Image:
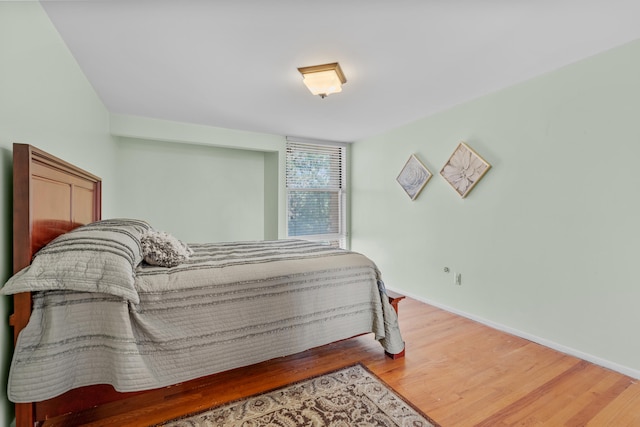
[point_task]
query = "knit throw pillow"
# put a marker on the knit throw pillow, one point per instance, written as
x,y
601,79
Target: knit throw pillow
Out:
x,y
164,250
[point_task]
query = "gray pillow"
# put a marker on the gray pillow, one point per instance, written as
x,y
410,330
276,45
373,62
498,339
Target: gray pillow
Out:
x,y
98,257
164,250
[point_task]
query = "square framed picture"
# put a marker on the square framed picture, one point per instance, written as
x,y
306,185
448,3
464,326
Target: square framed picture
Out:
x,y
464,169
413,177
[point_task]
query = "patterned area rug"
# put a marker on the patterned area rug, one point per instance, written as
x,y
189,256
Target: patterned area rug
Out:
x,y
352,396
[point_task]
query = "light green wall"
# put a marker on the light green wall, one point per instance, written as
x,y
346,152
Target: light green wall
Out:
x,y
197,193
46,101
272,183
248,177
547,242
165,130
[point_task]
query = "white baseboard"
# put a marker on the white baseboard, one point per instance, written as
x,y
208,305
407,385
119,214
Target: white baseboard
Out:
x,y
634,373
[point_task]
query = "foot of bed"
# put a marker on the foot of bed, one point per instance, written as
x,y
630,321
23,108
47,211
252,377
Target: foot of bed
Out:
x,y
395,356
394,299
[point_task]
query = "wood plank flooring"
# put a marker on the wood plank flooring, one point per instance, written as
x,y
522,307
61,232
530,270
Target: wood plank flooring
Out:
x,y
457,371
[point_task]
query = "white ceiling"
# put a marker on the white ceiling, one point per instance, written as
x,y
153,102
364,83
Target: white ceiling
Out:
x,y
233,63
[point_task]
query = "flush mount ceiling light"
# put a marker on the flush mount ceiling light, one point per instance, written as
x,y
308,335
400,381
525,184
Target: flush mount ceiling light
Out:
x,y
323,79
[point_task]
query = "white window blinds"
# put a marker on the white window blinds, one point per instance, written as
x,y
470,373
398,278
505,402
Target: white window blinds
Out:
x,y
316,192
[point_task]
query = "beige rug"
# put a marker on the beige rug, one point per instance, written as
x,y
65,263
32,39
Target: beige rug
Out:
x,y
352,396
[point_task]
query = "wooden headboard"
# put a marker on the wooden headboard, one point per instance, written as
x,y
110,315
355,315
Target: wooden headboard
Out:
x,y
50,197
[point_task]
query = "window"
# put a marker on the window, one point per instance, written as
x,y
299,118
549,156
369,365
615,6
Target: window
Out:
x,y
316,192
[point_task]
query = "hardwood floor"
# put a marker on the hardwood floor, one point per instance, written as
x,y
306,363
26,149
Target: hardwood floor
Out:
x,y
457,371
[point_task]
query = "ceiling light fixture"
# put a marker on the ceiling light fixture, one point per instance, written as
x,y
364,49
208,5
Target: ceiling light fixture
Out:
x,y
323,79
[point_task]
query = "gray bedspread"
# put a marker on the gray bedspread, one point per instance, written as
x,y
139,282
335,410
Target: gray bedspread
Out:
x,y
231,305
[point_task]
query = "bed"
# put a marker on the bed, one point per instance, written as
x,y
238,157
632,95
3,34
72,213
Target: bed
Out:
x,y
94,323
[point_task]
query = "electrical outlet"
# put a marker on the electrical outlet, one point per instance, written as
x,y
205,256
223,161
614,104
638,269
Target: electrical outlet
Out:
x,y
458,277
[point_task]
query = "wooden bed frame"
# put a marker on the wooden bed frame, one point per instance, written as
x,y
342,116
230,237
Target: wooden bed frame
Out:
x,y
52,197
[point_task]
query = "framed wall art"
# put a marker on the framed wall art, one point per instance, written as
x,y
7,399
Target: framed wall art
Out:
x,y
413,177
464,169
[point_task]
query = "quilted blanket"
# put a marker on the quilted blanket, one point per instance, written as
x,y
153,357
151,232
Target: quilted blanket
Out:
x,y
230,305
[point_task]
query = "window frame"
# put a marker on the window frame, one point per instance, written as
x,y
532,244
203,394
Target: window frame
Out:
x,y
339,239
